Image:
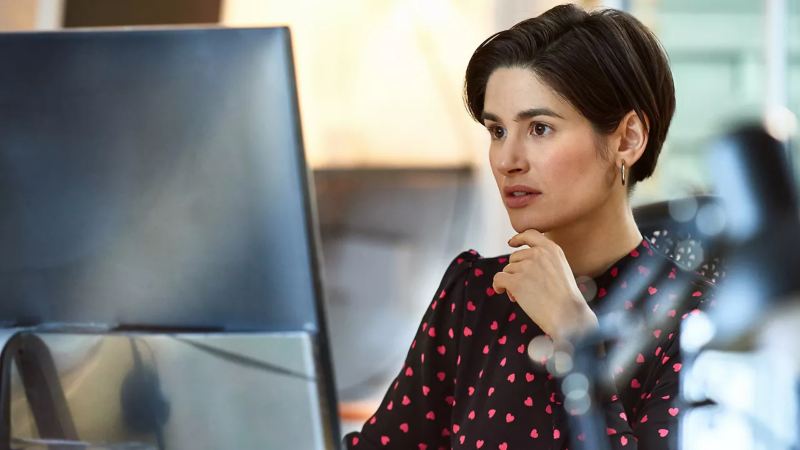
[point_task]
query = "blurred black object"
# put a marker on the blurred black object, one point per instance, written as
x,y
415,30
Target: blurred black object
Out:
x,y
759,194
753,177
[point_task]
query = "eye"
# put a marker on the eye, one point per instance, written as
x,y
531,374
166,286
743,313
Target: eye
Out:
x,y
540,129
497,132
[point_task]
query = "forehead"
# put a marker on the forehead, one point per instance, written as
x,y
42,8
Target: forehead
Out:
x,y
510,90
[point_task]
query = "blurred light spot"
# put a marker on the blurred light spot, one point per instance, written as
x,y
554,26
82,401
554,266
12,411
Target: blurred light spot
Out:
x,y
576,393
697,331
683,210
781,123
540,348
577,403
575,382
560,364
711,219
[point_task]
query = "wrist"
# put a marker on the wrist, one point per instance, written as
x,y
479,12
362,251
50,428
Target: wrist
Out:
x,y
579,320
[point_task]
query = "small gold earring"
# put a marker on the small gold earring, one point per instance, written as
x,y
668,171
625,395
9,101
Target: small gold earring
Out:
x,y
622,171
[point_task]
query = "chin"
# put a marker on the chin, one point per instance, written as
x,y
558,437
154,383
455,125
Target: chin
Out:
x,y
545,220
522,223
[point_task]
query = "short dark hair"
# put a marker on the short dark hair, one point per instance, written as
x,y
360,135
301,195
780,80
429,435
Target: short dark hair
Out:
x,y
605,63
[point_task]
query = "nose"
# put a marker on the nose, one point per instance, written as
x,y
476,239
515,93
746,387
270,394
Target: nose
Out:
x,y
511,157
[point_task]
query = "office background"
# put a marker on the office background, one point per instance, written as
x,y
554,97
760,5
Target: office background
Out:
x,y
401,173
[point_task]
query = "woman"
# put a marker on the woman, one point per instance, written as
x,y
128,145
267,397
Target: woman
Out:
x,y
577,106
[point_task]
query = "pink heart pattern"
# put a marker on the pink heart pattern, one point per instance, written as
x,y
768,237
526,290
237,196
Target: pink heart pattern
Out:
x,y
462,382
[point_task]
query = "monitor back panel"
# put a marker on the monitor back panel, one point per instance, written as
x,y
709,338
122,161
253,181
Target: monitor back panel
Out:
x,y
153,178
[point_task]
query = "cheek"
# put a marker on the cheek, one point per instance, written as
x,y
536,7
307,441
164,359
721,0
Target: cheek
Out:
x,y
577,173
573,166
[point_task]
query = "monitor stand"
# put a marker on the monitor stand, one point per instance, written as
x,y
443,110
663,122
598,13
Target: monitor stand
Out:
x,y
41,384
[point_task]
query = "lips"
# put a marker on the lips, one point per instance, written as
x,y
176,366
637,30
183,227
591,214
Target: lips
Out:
x,y
509,191
519,195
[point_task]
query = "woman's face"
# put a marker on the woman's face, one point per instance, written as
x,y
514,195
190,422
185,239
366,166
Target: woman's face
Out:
x,y
544,149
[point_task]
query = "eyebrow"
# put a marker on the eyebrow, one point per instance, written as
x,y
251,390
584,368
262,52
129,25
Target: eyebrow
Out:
x,y
527,114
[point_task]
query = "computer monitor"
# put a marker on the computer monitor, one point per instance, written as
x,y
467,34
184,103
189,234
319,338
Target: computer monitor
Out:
x,y
155,179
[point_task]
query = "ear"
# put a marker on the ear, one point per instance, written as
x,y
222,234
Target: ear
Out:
x,y
632,134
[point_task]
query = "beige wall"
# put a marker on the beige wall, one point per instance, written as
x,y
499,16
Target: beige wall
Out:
x,y
380,82
26,15
17,15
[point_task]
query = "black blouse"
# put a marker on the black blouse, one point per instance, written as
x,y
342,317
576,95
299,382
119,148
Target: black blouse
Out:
x,y
469,383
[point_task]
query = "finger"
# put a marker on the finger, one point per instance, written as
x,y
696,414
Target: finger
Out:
x,y
521,255
501,282
517,267
530,237
511,268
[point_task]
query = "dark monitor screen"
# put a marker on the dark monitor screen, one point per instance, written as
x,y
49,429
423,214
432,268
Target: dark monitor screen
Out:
x,y
154,178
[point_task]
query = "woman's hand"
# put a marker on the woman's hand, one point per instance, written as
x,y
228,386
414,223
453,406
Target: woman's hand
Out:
x,y
540,280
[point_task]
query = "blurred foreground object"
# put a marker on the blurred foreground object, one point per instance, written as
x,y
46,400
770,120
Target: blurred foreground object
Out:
x,y
741,357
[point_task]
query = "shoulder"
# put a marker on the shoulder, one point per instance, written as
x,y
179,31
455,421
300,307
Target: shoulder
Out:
x,y
472,275
469,266
467,285
471,262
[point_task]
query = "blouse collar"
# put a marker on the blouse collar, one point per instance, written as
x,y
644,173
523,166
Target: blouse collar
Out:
x,y
640,260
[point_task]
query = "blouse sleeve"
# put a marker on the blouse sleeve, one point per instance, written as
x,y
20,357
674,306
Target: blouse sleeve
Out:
x,y
654,421
653,426
415,411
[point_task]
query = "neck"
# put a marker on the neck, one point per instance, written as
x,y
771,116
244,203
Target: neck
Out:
x,y
602,237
